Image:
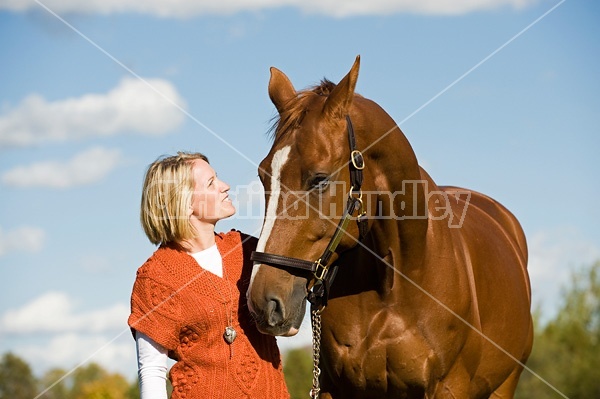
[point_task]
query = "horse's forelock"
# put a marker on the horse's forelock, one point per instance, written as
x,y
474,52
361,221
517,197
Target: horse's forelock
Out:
x,y
295,109
324,88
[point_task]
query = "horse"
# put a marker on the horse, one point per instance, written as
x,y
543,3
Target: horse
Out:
x,y
431,298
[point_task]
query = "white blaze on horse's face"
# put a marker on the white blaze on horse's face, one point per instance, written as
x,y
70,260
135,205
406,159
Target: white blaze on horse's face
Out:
x,y
277,163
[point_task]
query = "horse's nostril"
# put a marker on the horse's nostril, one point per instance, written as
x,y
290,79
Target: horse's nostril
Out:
x,y
274,312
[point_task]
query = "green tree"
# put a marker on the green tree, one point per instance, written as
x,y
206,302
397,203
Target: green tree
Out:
x,y
94,382
83,376
297,369
134,390
86,382
53,383
566,350
110,386
16,378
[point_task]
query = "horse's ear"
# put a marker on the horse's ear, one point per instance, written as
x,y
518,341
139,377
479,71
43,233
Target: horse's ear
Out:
x,y
281,90
340,99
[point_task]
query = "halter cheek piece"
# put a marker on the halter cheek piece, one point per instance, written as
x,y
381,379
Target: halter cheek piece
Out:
x,y
322,271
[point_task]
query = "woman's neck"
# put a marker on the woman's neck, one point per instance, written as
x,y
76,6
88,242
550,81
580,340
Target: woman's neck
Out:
x,y
204,239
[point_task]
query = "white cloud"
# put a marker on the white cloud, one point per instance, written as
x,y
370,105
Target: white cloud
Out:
x,y
113,353
86,167
66,336
54,312
132,106
553,256
338,8
24,238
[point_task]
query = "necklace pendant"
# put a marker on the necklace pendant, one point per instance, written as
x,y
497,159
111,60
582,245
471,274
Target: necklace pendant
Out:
x,y
229,334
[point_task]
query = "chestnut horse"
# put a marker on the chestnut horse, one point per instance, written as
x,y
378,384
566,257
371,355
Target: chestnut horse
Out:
x,y
431,301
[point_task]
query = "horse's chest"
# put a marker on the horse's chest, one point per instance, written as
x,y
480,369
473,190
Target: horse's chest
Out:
x,y
381,354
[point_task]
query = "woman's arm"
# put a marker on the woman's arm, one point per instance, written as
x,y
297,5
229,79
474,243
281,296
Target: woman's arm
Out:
x,y
152,367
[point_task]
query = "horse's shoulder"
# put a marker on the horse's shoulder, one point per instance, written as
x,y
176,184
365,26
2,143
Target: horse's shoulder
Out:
x,y
486,211
482,202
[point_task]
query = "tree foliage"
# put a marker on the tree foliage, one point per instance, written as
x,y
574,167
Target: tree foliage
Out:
x,y
297,369
86,382
16,379
110,386
566,351
53,383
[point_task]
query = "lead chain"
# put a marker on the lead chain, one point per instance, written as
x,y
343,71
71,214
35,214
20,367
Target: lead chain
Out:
x,y
316,338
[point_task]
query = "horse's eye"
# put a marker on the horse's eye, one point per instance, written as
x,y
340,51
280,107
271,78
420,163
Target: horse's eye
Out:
x,y
318,182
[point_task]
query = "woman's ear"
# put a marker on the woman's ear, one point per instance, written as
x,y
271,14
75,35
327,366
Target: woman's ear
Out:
x,y
190,207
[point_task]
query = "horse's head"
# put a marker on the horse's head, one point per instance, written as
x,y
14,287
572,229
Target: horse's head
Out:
x,y
307,180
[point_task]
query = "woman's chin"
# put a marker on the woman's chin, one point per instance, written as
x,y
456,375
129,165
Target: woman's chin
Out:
x,y
227,212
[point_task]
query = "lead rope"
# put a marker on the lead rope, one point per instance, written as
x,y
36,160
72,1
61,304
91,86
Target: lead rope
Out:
x,y
316,339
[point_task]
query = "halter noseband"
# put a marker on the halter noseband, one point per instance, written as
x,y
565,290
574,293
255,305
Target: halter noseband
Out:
x,y
321,268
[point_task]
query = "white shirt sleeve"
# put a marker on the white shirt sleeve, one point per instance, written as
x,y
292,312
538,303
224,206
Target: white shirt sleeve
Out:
x,y
152,367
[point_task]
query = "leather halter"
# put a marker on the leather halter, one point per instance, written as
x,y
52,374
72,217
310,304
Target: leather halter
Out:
x,y
321,270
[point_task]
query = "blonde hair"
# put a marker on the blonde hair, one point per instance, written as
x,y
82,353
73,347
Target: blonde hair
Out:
x,y
166,198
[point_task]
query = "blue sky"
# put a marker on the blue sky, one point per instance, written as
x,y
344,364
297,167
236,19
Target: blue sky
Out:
x,y
81,118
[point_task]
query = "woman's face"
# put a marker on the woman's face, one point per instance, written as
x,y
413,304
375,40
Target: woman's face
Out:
x,y
210,201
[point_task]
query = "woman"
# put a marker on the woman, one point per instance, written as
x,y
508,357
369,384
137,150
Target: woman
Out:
x,y
188,299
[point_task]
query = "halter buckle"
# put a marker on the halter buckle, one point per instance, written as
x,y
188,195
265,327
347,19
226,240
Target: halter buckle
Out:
x,y
358,161
320,270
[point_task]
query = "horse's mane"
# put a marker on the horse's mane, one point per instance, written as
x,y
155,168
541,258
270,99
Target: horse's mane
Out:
x,y
295,108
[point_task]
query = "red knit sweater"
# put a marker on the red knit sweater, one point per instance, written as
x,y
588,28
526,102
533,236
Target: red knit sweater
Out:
x,y
185,309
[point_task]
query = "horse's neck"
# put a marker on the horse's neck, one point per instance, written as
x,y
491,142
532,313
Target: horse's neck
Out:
x,y
410,244
400,252
401,188
400,235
